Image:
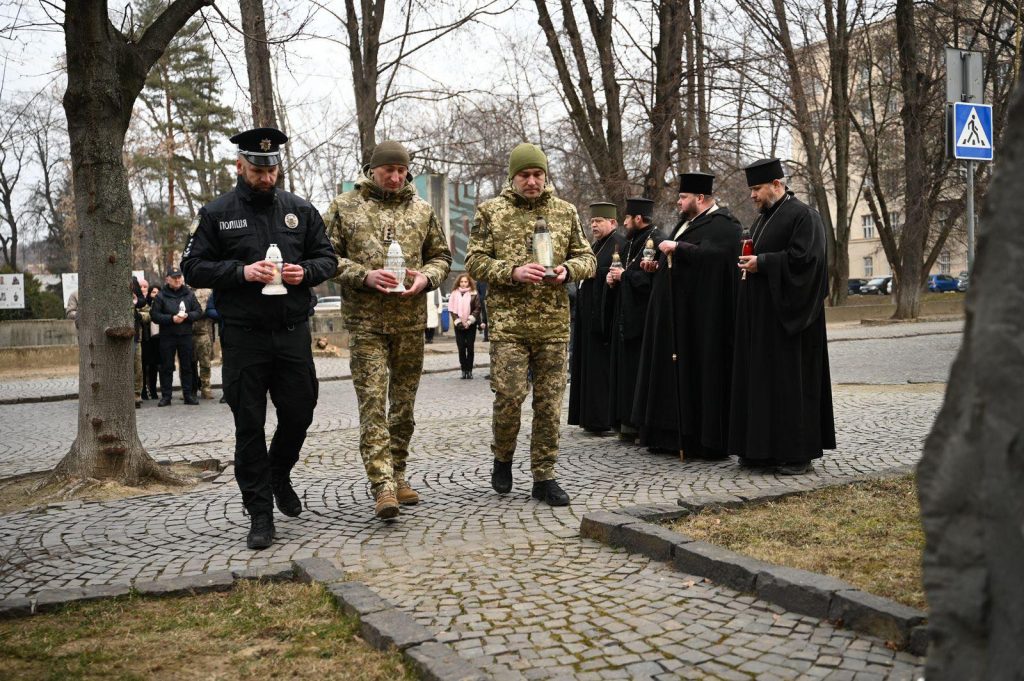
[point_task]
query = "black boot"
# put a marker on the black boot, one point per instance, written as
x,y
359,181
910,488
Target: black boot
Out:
x,y
164,402
550,493
285,497
501,477
261,532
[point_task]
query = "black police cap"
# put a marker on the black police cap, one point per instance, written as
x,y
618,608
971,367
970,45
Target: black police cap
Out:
x,y
261,146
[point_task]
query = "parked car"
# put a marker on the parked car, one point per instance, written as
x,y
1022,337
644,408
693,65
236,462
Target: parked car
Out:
x,y
963,282
941,283
879,286
853,285
327,304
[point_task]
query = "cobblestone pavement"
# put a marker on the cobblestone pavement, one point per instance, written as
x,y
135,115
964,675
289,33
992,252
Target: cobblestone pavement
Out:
x,y
507,580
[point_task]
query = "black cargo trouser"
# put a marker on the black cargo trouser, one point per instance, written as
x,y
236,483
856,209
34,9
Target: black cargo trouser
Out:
x,y
257,361
169,345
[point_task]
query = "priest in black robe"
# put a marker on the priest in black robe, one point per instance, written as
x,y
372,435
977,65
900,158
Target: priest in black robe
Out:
x,y
627,310
589,406
682,396
781,412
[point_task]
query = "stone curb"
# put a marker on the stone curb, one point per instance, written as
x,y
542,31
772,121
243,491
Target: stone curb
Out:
x,y
799,591
60,397
382,625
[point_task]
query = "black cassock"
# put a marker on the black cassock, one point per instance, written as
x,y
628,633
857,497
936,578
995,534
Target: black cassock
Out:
x,y
588,392
781,388
685,405
627,310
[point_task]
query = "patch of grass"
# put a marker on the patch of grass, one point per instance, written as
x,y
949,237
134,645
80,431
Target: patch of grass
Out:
x,y
868,534
258,630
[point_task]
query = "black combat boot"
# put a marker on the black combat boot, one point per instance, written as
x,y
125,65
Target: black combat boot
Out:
x,y
261,533
501,477
550,493
285,497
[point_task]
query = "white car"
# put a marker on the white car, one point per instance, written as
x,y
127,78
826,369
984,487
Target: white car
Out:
x,y
328,304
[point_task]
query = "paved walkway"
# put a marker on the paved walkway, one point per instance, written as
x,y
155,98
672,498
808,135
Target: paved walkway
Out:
x,y
507,580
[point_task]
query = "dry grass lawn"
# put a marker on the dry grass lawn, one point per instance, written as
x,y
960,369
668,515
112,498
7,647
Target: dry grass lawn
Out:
x,y
868,534
258,630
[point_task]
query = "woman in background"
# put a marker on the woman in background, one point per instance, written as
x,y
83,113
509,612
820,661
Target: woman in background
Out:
x,y
464,309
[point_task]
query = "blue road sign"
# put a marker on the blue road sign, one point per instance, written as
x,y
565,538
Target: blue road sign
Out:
x,y
972,131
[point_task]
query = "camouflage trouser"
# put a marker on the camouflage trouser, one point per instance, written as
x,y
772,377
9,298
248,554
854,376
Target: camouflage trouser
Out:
x,y
510,362
386,369
202,355
137,351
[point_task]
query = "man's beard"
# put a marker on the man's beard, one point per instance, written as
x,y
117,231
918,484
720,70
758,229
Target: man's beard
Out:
x,y
771,203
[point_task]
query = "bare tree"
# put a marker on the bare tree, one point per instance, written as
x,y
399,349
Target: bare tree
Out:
x,y
14,153
598,122
107,69
376,59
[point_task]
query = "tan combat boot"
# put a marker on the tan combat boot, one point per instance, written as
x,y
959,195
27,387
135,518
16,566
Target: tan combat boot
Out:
x,y
387,505
207,393
406,494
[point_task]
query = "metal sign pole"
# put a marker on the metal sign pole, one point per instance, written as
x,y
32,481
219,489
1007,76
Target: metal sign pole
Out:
x,y
970,217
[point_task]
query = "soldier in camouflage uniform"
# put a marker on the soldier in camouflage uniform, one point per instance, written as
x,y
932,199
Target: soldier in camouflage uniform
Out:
x,y
528,314
202,345
386,329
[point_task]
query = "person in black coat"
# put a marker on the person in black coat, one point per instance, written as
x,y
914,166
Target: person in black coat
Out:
x,y
266,340
589,406
629,290
682,396
174,309
781,412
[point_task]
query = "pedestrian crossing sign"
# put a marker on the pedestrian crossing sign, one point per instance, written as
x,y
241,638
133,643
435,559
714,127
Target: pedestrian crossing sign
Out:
x,y
972,131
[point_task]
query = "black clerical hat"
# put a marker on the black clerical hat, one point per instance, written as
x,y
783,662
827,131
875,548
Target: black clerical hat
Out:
x,y
764,171
261,146
640,206
696,183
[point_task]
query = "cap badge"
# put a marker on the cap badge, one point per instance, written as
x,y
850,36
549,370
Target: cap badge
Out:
x,y
264,145
291,220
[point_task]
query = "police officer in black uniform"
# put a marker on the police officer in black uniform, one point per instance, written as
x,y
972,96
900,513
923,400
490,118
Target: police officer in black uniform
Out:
x,y
266,340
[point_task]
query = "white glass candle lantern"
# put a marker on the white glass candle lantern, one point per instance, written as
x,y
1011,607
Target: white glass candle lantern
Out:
x,y
275,287
395,264
543,250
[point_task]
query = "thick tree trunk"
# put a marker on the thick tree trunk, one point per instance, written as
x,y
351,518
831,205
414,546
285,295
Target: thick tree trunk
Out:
x,y
909,277
839,61
105,75
257,61
972,472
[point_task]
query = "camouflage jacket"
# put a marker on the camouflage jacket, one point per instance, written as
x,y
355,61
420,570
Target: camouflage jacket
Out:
x,y
358,223
204,325
501,240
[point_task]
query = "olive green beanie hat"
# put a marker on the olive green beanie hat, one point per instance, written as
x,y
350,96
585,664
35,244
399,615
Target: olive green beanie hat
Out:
x,y
525,156
389,152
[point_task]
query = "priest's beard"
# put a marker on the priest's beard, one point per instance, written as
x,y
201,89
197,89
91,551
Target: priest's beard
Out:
x,y
771,203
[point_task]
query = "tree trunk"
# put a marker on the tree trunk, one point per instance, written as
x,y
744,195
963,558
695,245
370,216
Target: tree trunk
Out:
x,y
106,72
914,235
972,472
668,76
703,124
839,62
257,61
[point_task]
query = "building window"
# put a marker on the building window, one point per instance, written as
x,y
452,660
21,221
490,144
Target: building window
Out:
x,y
944,262
868,224
869,266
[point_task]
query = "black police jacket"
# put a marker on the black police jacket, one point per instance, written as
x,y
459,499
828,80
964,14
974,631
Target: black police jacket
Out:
x,y
168,303
235,230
